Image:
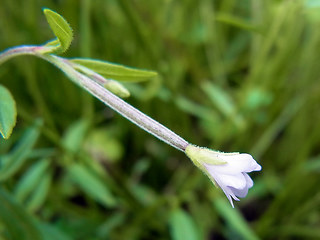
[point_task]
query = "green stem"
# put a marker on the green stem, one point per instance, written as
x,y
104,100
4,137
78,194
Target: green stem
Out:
x,y
18,51
117,104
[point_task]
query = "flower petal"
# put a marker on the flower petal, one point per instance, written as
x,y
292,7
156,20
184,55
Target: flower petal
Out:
x,y
229,194
243,192
238,163
229,171
249,180
236,181
227,191
240,192
258,168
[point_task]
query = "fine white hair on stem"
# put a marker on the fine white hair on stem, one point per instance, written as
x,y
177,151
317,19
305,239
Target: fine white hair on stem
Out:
x,y
229,171
116,103
120,106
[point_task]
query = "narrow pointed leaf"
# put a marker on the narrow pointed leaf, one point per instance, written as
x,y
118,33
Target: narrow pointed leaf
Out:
x,y
115,71
40,193
91,184
13,161
234,218
61,30
220,98
182,226
8,112
19,225
31,179
50,232
75,135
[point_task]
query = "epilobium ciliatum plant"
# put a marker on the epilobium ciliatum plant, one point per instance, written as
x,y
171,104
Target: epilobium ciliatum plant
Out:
x,y
229,171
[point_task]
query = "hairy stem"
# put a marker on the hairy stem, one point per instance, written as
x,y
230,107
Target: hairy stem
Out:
x,y
117,104
17,51
120,106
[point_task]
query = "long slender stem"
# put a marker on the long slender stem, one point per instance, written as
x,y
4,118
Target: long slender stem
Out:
x,y
16,51
120,106
117,104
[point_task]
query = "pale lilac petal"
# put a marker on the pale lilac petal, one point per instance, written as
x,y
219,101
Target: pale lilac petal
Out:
x,y
228,170
231,193
243,162
258,168
249,180
229,198
237,163
240,192
227,191
236,181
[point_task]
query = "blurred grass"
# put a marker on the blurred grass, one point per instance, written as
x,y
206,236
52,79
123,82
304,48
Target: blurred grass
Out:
x,y
234,76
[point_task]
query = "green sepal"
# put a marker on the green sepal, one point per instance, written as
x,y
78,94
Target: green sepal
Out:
x,y
200,155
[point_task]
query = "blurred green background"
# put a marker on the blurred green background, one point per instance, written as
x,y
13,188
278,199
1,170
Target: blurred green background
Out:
x,y
233,76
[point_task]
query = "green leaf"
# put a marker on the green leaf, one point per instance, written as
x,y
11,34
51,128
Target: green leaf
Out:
x,y
19,225
8,112
235,21
13,161
61,30
31,179
223,102
52,233
182,226
234,218
115,71
220,98
113,221
91,184
75,134
40,193
102,143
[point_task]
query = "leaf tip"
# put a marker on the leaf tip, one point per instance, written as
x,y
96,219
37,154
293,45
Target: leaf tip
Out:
x,y
153,74
45,10
8,112
61,29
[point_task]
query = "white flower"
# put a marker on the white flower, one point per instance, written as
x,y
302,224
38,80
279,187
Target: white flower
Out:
x,y
229,171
